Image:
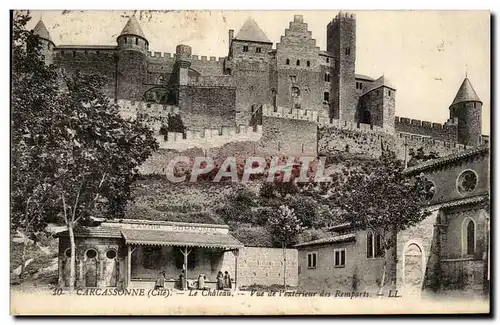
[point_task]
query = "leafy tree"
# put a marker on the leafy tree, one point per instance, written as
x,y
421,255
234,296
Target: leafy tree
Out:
x,y
384,200
74,156
97,154
285,227
34,91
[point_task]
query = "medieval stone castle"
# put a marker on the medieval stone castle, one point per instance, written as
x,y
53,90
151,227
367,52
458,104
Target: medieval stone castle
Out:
x,y
294,98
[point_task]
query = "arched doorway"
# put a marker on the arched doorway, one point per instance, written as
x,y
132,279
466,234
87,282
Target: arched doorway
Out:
x,y
110,268
413,268
90,267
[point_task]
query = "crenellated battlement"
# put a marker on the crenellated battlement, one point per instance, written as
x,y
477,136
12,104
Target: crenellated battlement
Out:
x,y
319,117
161,55
423,124
446,132
208,138
205,58
427,141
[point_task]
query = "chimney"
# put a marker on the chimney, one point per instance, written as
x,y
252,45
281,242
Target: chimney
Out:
x,y
231,36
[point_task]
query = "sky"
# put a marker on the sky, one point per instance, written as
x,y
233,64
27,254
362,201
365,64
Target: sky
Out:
x,y
425,54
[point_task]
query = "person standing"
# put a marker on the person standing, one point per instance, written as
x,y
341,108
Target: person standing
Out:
x,y
201,282
160,280
181,280
227,280
220,281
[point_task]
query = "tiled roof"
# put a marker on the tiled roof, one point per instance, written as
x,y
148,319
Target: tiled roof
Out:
x,y
340,226
461,202
96,232
132,27
250,31
326,53
171,238
447,159
382,81
362,76
329,240
466,93
42,31
141,211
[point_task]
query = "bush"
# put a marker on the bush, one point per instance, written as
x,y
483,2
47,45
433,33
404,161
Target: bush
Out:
x,y
253,236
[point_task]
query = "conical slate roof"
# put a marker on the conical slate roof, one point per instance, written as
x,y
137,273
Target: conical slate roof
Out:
x,y
42,31
250,31
466,93
132,27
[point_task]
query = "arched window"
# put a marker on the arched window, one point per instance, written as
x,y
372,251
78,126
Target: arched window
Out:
x,y
125,40
469,236
136,41
327,77
326,96
111,254
67,253
308,63
298,62
91,253
295,92
287,61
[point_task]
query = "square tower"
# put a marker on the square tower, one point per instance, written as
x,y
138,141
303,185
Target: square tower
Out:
x,y
341,41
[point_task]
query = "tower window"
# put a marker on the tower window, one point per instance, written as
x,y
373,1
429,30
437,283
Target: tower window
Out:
x,y
136,41
125,40
245,48
293,79
287,61
474,105
298,62
360,85
327,77
347,51
295,92
258,50
74,53
309,64
389,92
357,85
327,60
326,96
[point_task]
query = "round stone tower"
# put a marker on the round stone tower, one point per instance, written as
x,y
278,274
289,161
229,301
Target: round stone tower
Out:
x,y
47,44
131,61
183,61
467,108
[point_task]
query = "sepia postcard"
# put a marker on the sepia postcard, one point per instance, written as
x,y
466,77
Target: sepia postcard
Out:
x,y
250,162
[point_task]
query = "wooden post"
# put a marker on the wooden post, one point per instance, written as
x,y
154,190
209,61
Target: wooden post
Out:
x,y
129,267
185,252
